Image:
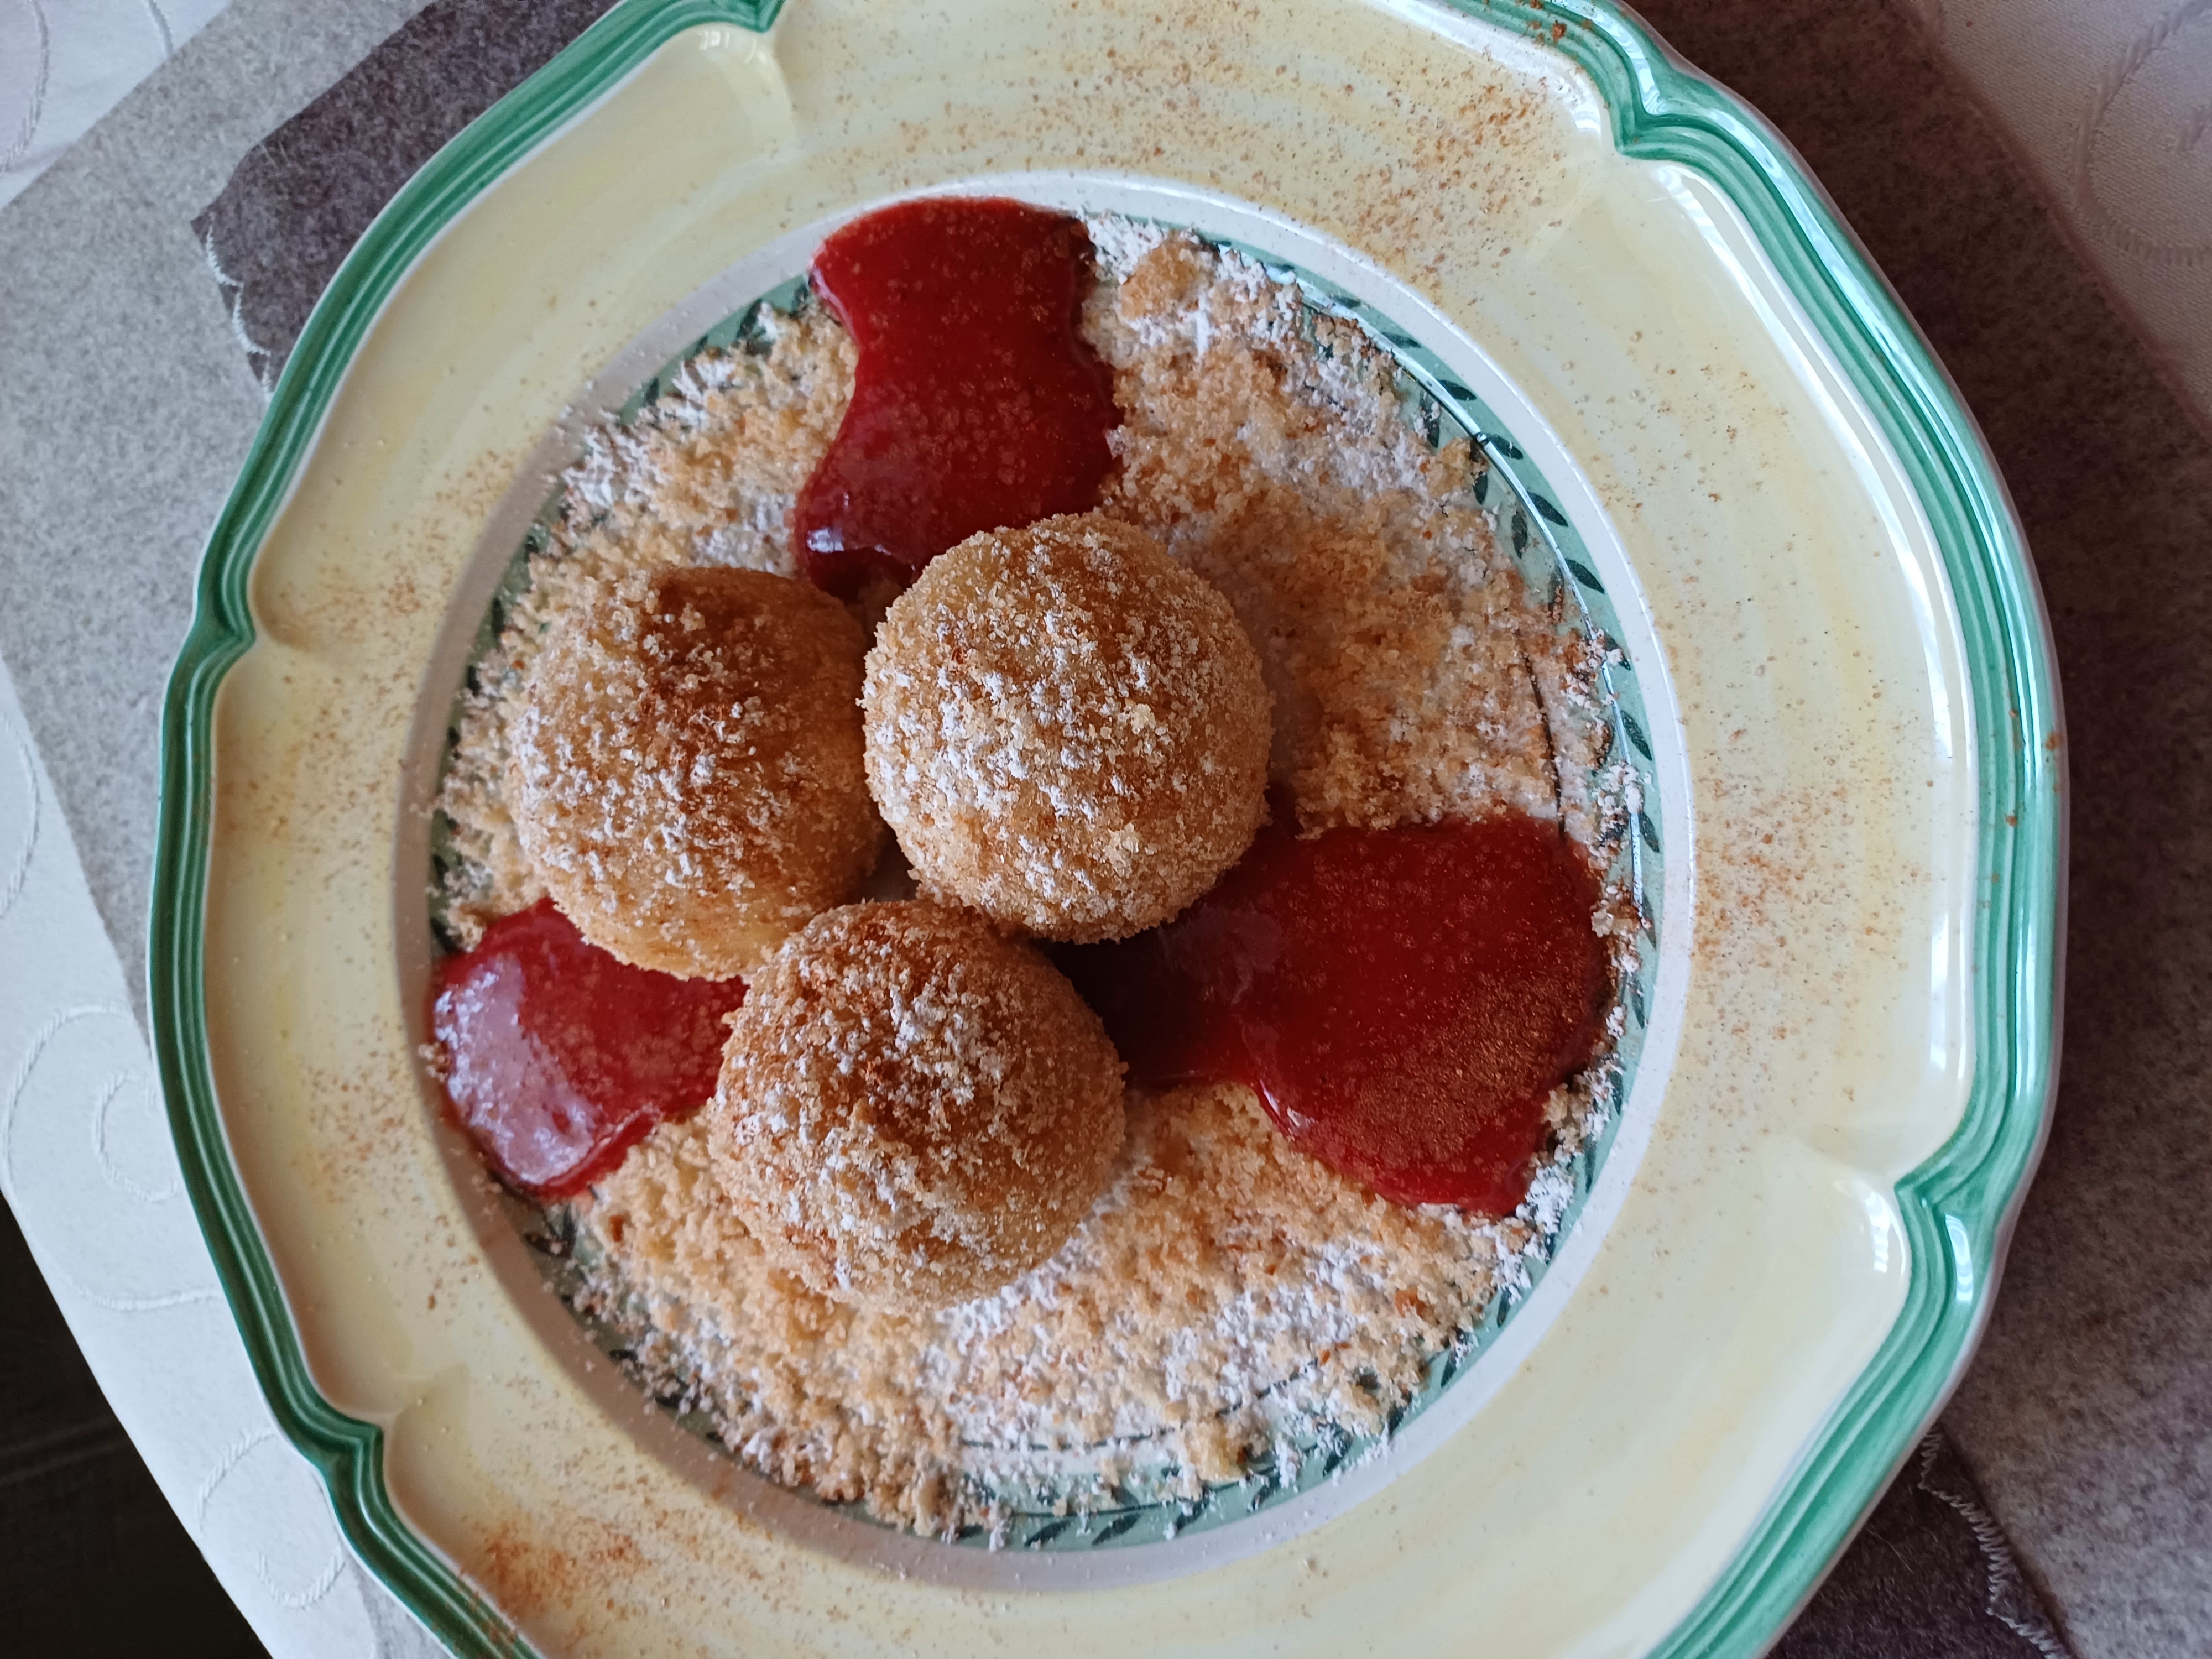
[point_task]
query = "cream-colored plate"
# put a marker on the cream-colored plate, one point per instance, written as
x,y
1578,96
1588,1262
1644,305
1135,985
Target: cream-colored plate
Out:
x,y
1834,630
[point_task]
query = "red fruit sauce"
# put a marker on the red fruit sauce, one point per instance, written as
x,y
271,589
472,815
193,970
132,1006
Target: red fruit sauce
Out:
x,y
1403,1000
559,1058
976,402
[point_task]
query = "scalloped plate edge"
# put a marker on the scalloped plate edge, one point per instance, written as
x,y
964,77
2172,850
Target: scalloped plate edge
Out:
x,y
1958,1207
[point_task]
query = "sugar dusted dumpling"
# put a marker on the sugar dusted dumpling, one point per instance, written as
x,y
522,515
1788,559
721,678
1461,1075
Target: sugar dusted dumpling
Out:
x,y
914,1109
1067,729
686,768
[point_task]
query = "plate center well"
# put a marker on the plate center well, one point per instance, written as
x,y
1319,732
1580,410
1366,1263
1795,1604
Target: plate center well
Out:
x,y
1105,1501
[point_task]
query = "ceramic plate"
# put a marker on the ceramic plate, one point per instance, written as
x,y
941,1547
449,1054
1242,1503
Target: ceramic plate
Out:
x,y
1711,428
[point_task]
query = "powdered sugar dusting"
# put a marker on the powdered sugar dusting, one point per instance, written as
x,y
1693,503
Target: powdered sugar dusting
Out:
x,y
1229,1304
913,1107
705,475
1265,446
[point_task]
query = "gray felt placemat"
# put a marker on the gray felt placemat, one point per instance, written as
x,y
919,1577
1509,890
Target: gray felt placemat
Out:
x,y
300,199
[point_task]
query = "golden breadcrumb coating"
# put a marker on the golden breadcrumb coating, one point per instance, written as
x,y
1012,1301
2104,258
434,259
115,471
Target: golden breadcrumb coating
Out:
x,y
704,474
1067,729
914,1109
686,776
1226,1293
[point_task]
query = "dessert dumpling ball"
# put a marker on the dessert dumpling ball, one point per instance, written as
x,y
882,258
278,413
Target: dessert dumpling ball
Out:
x,y
686,767
1067,729
914,1109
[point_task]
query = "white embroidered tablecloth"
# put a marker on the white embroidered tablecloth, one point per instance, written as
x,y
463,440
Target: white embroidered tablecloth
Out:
x,y
65,63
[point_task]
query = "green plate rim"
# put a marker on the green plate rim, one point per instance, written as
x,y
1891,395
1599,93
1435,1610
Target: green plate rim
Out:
x,y
1957,1208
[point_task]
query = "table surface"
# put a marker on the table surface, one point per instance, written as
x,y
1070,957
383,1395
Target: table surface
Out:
x,y
2064,274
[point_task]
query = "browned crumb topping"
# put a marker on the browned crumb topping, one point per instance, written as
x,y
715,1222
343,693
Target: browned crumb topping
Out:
x,y
1225,1286
687,776
1067,729
914,1110
1395,635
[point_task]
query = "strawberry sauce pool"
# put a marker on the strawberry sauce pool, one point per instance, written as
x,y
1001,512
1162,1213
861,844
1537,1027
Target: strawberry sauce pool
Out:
x,y
1404,1002
559,1058
976,402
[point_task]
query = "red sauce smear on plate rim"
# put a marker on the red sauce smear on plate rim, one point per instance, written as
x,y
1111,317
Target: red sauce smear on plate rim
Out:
x,y
1404,1002
559,1058
976,402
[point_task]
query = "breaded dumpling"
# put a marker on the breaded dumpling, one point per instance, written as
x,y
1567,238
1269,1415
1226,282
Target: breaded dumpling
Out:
x,y
686,776
1067,729
914,1109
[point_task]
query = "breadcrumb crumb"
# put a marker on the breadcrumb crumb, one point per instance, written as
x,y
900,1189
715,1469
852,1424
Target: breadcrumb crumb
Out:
x,y
1226,1290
